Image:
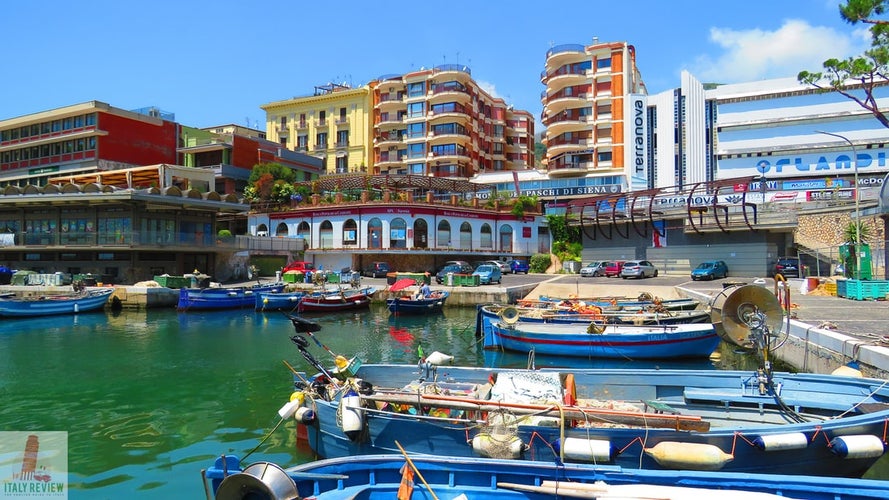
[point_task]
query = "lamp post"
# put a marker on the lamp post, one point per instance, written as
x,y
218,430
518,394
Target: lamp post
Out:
x,y
857,212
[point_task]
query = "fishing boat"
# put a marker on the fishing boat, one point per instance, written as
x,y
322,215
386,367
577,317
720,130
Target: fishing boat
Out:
x,y
88,300
749,421
644,300
409,304
416,476
335,301
277,301
489,314
193,299
606,341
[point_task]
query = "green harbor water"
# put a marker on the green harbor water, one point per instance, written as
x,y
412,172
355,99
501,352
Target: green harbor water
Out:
x,y
149,398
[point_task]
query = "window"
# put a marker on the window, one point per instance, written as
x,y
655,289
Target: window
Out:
x,y
342,164
415,109
415,130
321,140
416,89
302,142
91,119
397,233
375,233
604,156
283,122
342,138
78,121
444,234
322,117
350,232
325,232
416,168
487,240
603,63
305,232
416,150
67,123
466,236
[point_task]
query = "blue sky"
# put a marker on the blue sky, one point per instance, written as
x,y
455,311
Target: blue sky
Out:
x,y
216,62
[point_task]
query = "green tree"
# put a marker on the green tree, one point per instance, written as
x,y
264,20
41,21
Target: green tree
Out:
x,y
857,77
270,182
561,230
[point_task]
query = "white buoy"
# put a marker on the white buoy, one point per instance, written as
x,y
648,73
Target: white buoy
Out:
x,y
288,409
692,456
353,416
587,450
857,446
439,358
778,442
505,447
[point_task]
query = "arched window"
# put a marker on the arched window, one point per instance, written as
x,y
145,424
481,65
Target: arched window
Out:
x,y
281,230
325,234
443,239
506,238
397,233
262,230
421,234
487,240
375,233
350,232
466,236
304,231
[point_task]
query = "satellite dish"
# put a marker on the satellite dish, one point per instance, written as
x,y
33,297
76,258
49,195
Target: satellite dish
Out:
x,y
259,480
751,310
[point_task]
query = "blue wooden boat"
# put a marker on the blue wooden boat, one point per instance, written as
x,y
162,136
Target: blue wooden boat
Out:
x,y
278,301
86,301
491,313
644,300
421,477
594,340
194,299
734,421
410,305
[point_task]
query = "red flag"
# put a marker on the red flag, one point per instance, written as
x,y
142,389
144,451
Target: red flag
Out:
x,y
406,489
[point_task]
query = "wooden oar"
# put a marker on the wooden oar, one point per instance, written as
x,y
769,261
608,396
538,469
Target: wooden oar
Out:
x,y
637,419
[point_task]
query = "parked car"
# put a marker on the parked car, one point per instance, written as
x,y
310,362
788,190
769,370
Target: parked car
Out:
x,y
504,267
612,268
442,275
709,270
488,274
789,267
638,269
593,269
377,270
519,266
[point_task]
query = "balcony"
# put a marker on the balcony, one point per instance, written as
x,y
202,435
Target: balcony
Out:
x,y
389,119
301,125
342,144
390,139
342,121
320,147
321,123
282,131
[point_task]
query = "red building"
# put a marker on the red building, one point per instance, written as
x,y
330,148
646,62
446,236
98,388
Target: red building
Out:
x,y
83,138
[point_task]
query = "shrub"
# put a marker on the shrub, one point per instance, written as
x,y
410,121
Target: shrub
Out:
x,y
540,262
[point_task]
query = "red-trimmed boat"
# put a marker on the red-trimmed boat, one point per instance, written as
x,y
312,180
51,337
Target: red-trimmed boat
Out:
x,y
335,301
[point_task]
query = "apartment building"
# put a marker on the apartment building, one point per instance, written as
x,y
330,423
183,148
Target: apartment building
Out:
x,y
592,121
435,122
333,124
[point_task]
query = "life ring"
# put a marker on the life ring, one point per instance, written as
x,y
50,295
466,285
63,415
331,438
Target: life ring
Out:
x,y
509,315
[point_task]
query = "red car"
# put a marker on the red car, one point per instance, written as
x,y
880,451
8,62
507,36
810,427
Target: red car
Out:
x,y
613,267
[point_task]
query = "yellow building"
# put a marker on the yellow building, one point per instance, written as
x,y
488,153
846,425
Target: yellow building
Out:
x,y
333,125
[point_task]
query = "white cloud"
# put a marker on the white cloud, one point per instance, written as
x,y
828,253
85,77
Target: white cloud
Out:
x,y
758,54
489,88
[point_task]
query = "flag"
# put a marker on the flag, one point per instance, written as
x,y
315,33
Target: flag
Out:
x,y
406,489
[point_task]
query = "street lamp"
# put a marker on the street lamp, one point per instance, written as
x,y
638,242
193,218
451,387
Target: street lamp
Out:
x,y
857,212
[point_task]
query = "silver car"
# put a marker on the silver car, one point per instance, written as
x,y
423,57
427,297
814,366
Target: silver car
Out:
x,y
593,269
638,269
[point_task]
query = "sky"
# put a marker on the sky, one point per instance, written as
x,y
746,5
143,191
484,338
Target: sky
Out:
x,y
216,62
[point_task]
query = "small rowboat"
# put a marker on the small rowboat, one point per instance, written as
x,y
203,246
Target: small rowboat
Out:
x,y
342,300
87,301
411,305
193,299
